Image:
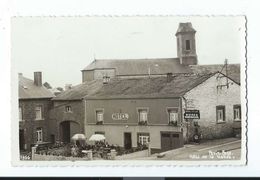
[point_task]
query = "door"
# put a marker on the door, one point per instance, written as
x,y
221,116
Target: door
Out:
x,y
166,143
171,140
65,130
21,139
127,140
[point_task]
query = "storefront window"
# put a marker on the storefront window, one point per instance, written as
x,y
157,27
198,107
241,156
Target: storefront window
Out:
x,y
143,138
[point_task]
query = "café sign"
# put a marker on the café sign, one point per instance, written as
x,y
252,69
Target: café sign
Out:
x,y
192,114
120,116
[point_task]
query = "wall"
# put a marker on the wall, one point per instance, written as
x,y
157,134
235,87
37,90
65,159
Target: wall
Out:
x,y
39,157
100,73
87,75
157,110
187,57
29,124
115,133
58,115
205,98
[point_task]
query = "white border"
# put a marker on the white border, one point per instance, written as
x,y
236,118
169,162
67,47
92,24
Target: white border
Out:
x,y
133,7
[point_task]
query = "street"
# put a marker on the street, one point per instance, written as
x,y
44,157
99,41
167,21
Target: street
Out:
x,y
220,149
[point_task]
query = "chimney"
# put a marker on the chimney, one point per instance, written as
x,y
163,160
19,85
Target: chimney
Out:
x,y
169,77
20,74
68,87
38,78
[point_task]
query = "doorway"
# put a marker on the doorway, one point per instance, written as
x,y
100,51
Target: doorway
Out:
x,y
127,140
68,129
21,139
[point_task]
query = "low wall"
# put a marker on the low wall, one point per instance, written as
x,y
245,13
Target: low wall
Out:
x,y
39,157
134,155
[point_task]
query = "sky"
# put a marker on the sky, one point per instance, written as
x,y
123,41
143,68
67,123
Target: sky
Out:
x,y
60,47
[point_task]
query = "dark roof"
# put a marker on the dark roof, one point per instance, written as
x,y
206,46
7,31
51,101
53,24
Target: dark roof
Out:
x,y
154,87
140,66
79,91
233,70
185,27
28,90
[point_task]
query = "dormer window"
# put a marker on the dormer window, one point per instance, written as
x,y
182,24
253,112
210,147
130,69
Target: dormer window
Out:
x,y
187,45
68,109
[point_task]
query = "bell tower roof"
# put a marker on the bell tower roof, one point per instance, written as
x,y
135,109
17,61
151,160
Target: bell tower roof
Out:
x,y
185,28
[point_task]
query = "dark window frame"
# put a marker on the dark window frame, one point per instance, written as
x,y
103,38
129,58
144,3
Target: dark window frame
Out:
x,y
187,45
67,109
237,106
223,108
143,134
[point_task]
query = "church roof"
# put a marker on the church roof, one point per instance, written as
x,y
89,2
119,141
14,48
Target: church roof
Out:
x,y
185,27
139,66
28,90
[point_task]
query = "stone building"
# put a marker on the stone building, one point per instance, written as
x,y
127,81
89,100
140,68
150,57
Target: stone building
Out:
x,y
137,101
34,107
134,111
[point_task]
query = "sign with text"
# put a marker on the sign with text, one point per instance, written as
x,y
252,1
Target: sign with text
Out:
x,y
120,116
192,114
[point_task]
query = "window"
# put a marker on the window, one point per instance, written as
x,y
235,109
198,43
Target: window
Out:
x,y
39,135
68,109
143,138
221,116
173,116
143,116
237,112
20,113
100,132
100,116
38,113
187,43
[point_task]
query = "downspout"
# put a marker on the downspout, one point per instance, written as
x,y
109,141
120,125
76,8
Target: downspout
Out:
x,y
187,123
85,115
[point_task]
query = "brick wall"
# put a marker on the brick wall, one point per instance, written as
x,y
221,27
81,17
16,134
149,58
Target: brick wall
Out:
x,y
205,98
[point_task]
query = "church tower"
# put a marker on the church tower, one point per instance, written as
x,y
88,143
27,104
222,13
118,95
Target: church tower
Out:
x,y
186,46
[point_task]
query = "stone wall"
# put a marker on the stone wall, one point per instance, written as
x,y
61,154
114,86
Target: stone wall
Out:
x,y
59,115
29,124
205,97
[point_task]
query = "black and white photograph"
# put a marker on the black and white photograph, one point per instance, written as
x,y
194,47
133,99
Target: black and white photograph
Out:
x,y
135,89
